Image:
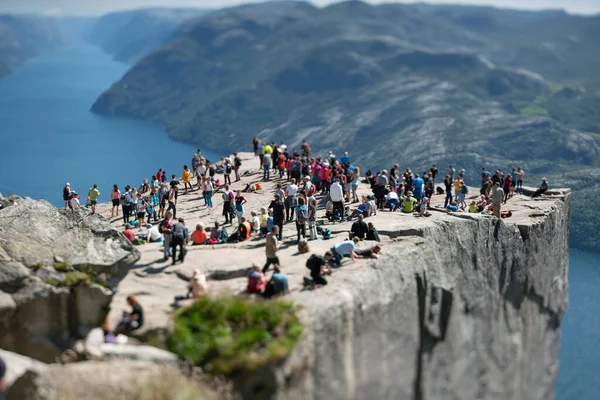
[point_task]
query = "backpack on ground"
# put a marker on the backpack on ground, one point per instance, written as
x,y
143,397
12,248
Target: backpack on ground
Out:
x,y
326,232
303,246
439,190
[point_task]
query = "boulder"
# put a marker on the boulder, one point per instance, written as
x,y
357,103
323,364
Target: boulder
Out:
x,y
17,365
58,272
102,380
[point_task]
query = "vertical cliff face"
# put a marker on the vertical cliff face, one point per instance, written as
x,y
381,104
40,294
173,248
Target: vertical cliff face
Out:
x,y
463,307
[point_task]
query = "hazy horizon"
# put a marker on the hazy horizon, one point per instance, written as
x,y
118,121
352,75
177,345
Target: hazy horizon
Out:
x,y
95,8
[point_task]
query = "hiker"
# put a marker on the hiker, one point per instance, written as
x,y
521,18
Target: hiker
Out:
x,y
433,171
198,286
180,238
277,285
93,195
216,234
207,188
359,229
316,264
140,210
507,187
128,233
520,177
266,166
422,207
254,222
278,209
74,201
336,194
418,187
115,195
199,235
66,194
271,246
497,197
392,201
263,220
542,189
152,234
242,233
125,201
312,218
227,169
256,280
239,206
186,177
165,228
372,233
370,252
448,188
237,163
255,143
291,201
228,209
132,320
408,204
354,182
345,249
172,200
381,181
301,218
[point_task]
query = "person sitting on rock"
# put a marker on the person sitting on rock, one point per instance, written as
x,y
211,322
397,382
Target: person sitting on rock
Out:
x,y
452,207
542,189
128,233
152,234
371,252
359,229
256,280
242,233
473,207
198,286
277,285
423,206
408,204
345,249
135,319
199,235
372,233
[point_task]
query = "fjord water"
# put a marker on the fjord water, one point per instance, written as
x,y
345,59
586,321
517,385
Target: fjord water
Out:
x,y
49,137
580,341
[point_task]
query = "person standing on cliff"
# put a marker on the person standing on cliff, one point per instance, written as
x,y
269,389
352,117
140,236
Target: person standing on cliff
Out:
x,y
278,209
272,245
497,198
237,163
67,194
93,195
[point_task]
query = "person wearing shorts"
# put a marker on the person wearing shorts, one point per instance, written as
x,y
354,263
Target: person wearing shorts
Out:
x,y
115,196
93,195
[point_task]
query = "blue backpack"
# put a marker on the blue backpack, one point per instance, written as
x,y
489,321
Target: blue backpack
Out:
x,y
326,232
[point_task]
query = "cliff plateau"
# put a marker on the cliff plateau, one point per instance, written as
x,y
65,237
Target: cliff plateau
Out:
x,y
458,306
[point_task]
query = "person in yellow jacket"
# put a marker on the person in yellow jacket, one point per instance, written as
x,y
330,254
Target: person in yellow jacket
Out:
x,y
186,177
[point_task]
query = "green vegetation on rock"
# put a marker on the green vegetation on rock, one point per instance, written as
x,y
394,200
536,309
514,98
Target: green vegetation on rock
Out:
x,y
227,335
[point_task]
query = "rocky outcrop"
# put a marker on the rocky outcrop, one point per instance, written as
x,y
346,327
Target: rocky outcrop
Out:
x,y
113,380
468,307
58,270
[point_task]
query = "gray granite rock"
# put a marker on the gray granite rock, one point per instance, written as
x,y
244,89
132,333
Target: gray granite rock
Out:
x,y
462,308
50,260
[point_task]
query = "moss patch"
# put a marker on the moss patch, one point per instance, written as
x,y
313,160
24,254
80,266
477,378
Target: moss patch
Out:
x,y
232,335
62,267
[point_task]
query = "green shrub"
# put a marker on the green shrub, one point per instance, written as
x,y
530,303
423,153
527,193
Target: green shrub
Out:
x,y
231,335
62,267
74,278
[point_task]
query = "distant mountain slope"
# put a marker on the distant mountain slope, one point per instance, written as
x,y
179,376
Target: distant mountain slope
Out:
x,y
390,83
129,35
23,37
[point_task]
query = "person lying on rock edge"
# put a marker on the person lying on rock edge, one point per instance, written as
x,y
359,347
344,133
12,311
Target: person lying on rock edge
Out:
x,y
371,252
345,249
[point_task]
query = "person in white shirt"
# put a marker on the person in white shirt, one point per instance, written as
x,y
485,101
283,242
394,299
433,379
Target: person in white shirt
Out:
x,y
153,235
290,200
336,192
392,201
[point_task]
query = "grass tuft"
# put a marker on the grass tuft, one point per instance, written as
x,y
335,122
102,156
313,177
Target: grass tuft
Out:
x,y
231,335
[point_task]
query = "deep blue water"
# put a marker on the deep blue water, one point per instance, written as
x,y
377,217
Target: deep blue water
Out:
x,y
49,137
580,343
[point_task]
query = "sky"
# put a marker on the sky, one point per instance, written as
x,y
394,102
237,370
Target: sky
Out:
x,y
97,7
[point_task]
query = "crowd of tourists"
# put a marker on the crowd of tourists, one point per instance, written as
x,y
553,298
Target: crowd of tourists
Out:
x,y
302,182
